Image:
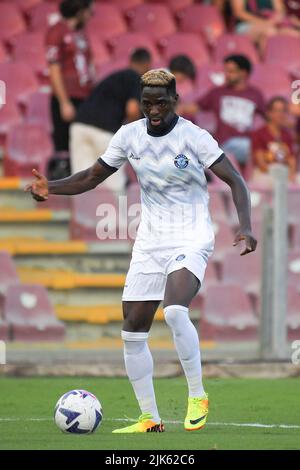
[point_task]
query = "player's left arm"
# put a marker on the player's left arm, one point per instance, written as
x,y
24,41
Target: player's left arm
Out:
x,y
241,198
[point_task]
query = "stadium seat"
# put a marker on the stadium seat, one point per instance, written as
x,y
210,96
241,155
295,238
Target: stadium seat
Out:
x,y
202,19
210,278
284,50
11,21
175,5
245,272
153,19
209,76
294,268
93,208
28,146
38,110
20,80
3,54
99,49
104,70
217,207
258,199
189,44
124,44
124,5
271,80
26,5
106,22
228,315
30,314
30,45
43,15
224,239
8,272
228,44
293,313
10,116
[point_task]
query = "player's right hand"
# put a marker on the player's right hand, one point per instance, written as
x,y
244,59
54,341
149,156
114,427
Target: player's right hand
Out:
x,y
67,111
39,187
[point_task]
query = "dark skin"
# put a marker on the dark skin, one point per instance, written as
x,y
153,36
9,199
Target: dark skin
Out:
x,y
158,107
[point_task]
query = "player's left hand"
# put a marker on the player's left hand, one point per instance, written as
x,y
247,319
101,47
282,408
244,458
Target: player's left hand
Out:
x,y
250,241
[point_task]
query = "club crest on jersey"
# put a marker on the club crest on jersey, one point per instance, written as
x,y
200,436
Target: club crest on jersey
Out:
x,y
181,161
180,257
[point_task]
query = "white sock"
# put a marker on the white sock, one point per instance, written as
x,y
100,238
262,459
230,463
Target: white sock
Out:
x,y
139,368
187,345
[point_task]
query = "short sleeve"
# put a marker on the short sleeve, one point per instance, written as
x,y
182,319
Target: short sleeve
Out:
x,y
53,45
208,149
115,155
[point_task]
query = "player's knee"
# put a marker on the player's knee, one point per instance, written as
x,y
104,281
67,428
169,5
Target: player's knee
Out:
x,y
175,314
134,342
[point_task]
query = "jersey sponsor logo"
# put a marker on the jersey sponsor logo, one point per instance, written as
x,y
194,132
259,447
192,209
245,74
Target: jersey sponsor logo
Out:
x,y
134,157
180,257
181,161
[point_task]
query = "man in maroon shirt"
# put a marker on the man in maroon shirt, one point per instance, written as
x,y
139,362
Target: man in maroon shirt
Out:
x,y
70,67
273,143
234,105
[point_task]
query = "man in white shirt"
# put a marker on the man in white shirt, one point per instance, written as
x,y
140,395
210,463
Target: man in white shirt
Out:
x,y
174,239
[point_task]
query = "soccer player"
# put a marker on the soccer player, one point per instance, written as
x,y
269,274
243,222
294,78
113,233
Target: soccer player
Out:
x,y
175,236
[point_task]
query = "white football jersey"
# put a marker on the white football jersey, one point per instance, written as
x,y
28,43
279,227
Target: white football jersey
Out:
x,y
170,170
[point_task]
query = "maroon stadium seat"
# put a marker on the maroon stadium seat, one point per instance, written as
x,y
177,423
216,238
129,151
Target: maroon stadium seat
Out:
x,y
124,5
271,80
228,314
11,21
204,19
29,46
224,239
28,146
153,19
294,268
99,49
228,44
245,272
107,21
85,217
123,45
175,5
103,70
284,50
10,116
189,44
293,313
38,110
3,54
217,207
210,278
209,76
20,81
43,15
29,312
26,5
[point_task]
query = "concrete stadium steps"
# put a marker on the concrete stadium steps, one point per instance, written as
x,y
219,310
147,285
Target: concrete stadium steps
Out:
x,y
70,255
96,314
12,193
43,223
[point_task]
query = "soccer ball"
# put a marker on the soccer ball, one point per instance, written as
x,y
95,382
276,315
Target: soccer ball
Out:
x,y
78,412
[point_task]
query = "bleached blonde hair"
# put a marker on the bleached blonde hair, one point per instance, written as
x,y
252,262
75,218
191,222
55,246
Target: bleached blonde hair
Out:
x,y
159,77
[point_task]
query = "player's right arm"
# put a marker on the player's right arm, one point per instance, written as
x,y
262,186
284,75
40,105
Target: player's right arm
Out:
x,y
78,183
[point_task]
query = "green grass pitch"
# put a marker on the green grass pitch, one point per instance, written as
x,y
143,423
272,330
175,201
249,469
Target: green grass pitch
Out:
x,y
26,414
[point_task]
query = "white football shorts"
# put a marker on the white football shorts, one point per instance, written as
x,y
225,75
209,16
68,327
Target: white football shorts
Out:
x,y
147,275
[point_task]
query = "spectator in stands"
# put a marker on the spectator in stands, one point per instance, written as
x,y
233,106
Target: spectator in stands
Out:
x,y
182,68
273,143
261,19
113,102
70,67
234,105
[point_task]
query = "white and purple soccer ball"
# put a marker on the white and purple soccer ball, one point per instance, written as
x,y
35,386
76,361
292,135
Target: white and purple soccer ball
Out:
x,y
78,412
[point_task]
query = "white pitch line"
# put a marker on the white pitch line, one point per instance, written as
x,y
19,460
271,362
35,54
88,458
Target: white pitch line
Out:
x,y
129,420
